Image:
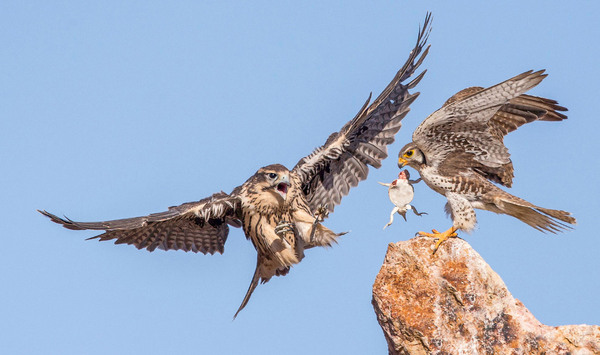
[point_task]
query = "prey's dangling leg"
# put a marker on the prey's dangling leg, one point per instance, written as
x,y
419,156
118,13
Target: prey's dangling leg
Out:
x,y
391,217
417,212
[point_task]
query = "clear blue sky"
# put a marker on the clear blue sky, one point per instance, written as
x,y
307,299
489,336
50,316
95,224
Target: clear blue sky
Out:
x,y
122,108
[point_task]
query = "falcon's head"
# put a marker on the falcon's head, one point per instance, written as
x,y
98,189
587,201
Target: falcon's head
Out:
x,y
274,180
412,156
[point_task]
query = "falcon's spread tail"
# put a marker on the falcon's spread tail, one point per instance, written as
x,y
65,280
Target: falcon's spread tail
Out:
x,y
542,219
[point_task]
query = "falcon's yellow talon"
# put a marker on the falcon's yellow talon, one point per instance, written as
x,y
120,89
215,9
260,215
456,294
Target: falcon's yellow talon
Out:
x,y
442,237
425,234
437,244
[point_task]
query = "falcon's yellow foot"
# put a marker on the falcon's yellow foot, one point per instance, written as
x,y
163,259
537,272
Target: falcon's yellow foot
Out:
x,y
441,237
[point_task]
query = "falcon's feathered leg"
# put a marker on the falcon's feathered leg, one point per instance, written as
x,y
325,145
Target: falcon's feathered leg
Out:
x,y
441,237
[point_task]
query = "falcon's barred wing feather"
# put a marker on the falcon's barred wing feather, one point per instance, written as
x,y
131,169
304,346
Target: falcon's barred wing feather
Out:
x,y
516,112
472,124
342,162
200,226
524,109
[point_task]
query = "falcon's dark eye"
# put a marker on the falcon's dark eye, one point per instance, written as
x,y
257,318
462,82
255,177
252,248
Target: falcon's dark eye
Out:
x,y
272,176
409,153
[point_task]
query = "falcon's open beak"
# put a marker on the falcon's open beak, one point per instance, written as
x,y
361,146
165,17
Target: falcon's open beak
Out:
x,y
402,162
283,185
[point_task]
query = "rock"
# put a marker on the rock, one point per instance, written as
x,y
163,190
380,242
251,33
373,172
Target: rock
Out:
x,y
454,303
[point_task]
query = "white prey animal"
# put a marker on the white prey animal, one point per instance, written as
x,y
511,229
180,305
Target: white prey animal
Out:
x,y
401,193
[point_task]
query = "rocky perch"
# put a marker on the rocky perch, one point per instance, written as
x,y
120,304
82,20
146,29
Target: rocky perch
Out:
x,y
454,303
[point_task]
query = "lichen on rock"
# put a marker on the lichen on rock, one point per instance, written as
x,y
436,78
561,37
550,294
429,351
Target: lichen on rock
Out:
x,y
454,303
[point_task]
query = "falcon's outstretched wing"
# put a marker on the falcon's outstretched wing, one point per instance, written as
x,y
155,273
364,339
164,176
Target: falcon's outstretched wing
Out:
x,y
342,162
200,226
468,131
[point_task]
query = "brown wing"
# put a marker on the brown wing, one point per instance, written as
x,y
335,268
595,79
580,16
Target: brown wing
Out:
x,y
468,131
200,226
517,111
525,109
342,162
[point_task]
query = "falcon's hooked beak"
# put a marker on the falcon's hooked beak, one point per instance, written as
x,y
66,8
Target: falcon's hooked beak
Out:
x,y
282,186
402,162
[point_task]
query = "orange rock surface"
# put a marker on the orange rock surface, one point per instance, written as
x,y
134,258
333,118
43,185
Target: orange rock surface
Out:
x,y
454,303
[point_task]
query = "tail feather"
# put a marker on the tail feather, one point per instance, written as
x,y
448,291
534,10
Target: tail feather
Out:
x,y
251,289
558,214
542,219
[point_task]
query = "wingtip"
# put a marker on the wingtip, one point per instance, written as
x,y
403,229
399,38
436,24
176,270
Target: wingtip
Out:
x,y
53,218
427,24
527,80
65,221
45,213
534,74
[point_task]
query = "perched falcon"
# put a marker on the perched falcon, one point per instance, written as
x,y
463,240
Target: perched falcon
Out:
x,y
459,151
279,210
401,193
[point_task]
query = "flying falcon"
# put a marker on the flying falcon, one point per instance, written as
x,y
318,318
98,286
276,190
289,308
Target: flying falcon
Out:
x,y
280,210
459,151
